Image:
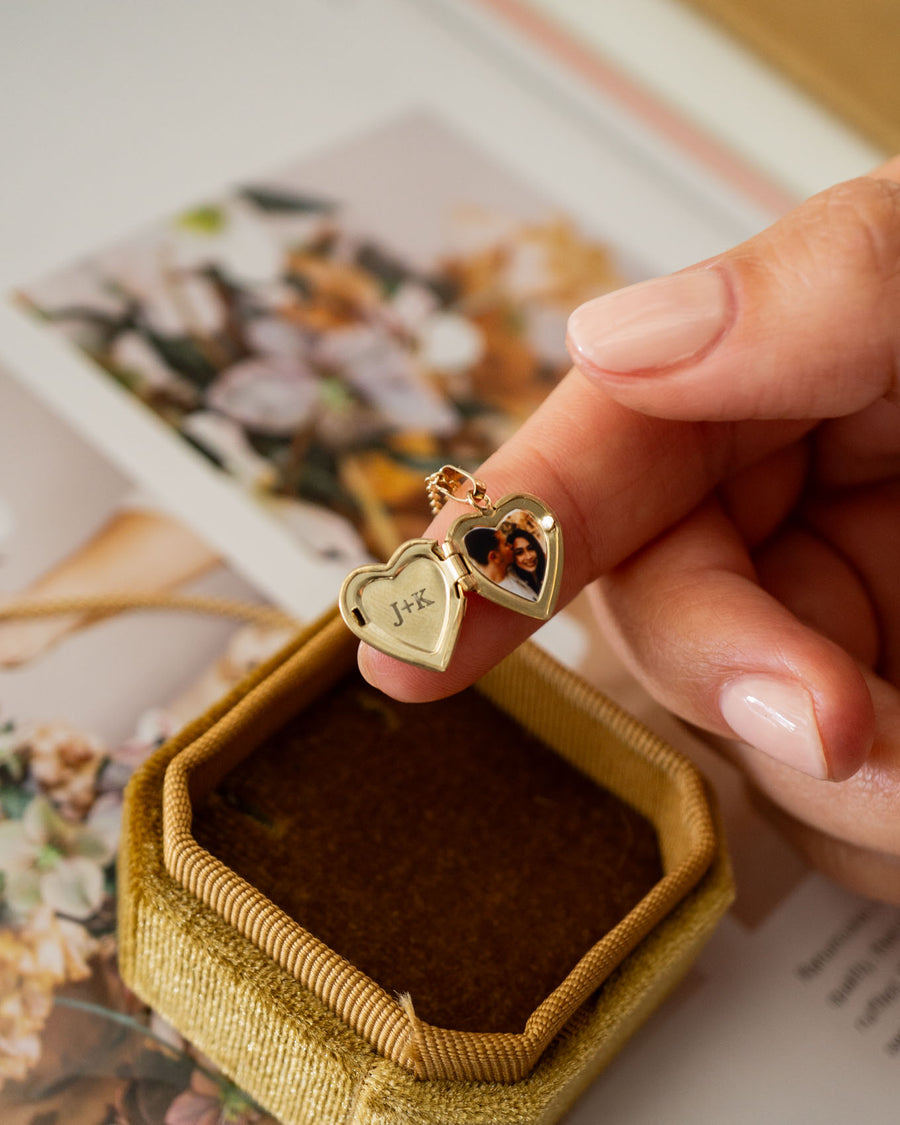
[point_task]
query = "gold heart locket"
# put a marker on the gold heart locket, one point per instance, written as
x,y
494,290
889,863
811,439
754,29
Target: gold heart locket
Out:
x,y
412,607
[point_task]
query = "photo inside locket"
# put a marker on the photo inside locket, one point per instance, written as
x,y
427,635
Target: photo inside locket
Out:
x,y
512,555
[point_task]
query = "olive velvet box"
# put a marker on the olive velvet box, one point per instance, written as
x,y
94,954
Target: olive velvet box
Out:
x,y
455,912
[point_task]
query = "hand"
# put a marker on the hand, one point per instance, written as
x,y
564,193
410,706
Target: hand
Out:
x,y
725,466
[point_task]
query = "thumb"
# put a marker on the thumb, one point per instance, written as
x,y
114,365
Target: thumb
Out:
x,y
798,322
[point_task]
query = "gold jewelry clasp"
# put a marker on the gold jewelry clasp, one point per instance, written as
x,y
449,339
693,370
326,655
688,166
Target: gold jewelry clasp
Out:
x,y
447,481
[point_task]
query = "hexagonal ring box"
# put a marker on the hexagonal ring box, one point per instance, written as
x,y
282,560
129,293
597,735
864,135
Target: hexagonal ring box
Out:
x,y
454,912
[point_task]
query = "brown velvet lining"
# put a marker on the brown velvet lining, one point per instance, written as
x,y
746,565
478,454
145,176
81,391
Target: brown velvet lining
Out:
x,y
438,847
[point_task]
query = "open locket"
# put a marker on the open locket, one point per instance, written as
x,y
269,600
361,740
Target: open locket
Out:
x,y
412,606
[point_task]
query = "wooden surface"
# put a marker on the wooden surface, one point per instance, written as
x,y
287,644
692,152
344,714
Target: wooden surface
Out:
x,y
846,53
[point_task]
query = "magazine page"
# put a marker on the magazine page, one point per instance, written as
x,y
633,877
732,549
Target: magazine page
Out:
x,y
454,209
257,233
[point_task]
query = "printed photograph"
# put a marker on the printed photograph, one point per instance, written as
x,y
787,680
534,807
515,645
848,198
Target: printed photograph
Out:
x,y
83,703
329,335
512,555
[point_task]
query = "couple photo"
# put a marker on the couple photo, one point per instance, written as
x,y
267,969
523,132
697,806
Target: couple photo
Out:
x,y
511,556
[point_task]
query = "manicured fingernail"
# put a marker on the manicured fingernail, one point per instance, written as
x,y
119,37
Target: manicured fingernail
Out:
x,y
777,718
653,325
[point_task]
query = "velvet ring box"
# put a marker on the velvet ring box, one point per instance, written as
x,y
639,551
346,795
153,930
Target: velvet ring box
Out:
x,y
456,912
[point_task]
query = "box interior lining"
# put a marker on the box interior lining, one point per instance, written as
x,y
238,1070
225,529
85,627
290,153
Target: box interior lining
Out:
x,y
439,847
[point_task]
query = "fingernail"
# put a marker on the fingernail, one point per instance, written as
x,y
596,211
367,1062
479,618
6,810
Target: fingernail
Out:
x,y
653,325
777,718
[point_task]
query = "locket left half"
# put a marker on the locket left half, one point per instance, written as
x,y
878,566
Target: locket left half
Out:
x,y
409,607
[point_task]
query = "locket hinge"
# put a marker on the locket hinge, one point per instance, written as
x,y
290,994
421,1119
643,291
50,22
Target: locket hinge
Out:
x,y
463,577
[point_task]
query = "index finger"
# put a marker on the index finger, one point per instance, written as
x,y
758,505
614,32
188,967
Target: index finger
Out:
x,y
614,479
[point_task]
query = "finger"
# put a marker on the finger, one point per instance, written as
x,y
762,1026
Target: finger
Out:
x,y
861,811
691,622
860,448
759,499
614,479
864,871
822,588
798,322
864,527
887,170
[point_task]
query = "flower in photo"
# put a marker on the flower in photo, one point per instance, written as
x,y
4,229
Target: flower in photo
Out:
x,y
65,763
246,235
225,441
333,291
268,334
385,375
267,395
449,343
26,998
154,727
171,299
144,370
61,947
249,647
230,234
212,1102
12,752
46,860
325,532
409,307
81,306
35,957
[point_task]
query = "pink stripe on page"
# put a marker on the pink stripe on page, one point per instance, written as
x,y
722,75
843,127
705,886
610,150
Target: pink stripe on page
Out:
x,y
585,62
